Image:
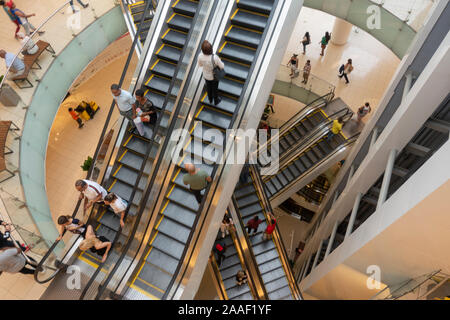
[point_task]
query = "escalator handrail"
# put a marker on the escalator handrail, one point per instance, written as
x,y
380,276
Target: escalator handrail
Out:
x,y
346,143
279,240
89,173
208,193
163,148
298,146
299,116
141,172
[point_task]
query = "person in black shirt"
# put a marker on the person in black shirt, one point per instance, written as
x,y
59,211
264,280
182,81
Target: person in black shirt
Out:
x,y
143,112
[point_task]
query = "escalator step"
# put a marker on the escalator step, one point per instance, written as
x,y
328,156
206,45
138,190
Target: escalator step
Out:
x,y
158,83
236,70
306,162
244,191
162,260
175,230
137,8
259,247
126,174
137,18
280,293
300,129
168,246
276,284
293,170
154,276
243,36
307,124
310,154
184,198
110,220
169,53
251,210
175,38
284,144
215,118
205,135
137,145
276,183
131,160
230,273
180,214
325,147
271,266
164,68
124,191
282,178
229,262
185,7
237,53
266,257
227,104
289,139
299,165
179,22
288,174
317,152
249,20
203,152
262,6
248,200
295,135
231,87
158,98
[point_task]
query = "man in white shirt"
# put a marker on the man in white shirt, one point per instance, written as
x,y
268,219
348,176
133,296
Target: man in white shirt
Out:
x,y
17,65
125,102
91,191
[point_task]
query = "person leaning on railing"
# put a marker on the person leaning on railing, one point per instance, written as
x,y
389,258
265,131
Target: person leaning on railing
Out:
x,y
17,67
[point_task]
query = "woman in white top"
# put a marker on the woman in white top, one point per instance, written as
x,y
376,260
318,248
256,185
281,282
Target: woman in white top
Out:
x,y
363,111
30,46
205,60
118,205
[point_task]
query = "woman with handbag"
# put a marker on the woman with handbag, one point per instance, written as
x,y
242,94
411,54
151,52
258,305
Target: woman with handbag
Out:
x,y
306,41
213,71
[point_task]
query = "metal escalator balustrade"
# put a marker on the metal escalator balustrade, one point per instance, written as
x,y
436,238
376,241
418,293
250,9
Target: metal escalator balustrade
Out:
x,y
226,272
178,216
271,260
105,224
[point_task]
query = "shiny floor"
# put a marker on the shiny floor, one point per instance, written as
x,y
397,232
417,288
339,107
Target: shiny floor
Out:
x,y
68,146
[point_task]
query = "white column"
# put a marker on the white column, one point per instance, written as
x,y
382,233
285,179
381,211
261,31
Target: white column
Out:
x,y
351,221
341,32
317,255
330,242
387,178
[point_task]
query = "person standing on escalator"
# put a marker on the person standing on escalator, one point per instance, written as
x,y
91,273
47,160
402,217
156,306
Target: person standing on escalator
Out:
x,y
196,179
209,62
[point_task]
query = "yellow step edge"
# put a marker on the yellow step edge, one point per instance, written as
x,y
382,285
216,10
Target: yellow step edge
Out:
x,y
156,62
240,45
112,185
176,175
174,5
247,29
150,285
237,62
165,206
121,157
128,140
118,169
171,17
170,191
254,12
144,292
159,222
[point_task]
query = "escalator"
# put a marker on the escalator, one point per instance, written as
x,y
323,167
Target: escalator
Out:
x,y
308,157
137,15
226,272
134,160
269,255
315,191
178,215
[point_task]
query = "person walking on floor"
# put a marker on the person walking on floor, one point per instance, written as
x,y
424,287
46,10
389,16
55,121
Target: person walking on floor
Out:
x,y
306,71
252,224
363,111
220,248
23,20
324,42
293,63
335,129
267,235
196,179
81,4
76,118
346,69
306,41
209,61
125,102
143,112
17,65
13,18
91,191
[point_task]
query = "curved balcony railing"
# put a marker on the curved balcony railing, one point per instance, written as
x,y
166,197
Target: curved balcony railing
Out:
x,y
61,27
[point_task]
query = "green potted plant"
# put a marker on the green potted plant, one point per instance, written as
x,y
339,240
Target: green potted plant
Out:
x,y
87,164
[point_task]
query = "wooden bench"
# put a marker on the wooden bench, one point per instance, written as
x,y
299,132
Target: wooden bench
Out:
x,y
5,126
31,59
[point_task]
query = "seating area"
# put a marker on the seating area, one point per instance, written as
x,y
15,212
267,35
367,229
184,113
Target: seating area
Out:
x,y
5,127
30,61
